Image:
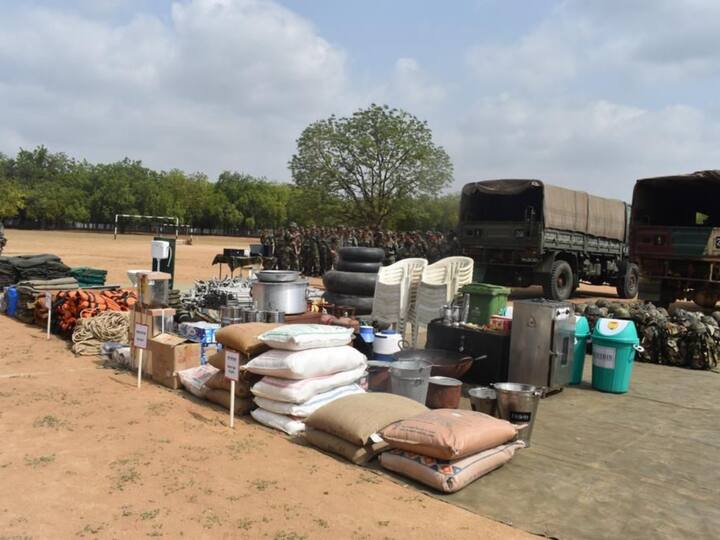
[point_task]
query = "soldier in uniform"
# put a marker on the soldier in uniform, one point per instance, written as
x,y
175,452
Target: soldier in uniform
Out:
x,y
3,240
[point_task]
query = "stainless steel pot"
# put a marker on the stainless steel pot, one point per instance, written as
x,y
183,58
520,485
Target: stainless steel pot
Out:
x,y
286,297
230,315
277,276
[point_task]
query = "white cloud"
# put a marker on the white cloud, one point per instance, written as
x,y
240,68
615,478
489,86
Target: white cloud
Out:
x,y
224,84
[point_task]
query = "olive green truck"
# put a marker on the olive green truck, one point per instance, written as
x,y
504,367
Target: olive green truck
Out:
x,y
675,237
526,232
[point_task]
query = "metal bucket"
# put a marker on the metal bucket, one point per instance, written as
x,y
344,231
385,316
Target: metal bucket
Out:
x,y
274,316
518,403
443,393
483,399
410,378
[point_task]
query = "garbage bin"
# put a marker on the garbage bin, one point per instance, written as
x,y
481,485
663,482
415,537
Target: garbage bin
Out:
x,y
614,344
11,301
582,333
485,300
518,403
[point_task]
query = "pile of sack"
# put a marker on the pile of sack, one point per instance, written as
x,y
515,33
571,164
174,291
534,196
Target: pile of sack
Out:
x,y
307,367
448,449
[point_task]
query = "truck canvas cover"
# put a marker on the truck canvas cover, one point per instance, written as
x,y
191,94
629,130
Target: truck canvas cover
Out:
x,y
563,208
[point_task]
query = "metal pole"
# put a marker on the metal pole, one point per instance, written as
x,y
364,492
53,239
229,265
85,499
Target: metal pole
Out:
x,y
115,233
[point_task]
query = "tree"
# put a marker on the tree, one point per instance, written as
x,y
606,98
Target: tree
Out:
x,y
12,197
374,159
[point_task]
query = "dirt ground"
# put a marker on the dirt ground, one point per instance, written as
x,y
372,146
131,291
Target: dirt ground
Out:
x,y
86,454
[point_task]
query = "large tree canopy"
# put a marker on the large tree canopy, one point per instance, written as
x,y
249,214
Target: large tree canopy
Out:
x,y
374,159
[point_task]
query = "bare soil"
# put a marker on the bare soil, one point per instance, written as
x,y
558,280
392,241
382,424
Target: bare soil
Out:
x,y
86,454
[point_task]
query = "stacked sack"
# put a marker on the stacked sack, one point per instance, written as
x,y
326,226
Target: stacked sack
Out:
x,y
308,366
448,449
349,427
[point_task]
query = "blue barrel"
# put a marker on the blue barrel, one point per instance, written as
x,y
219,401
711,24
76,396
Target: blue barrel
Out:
x,y
12,300
614,344
582,333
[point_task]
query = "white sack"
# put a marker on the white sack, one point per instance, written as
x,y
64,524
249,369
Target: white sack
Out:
x,y
294,391
291,426
303,410
298,337
306,364
194,379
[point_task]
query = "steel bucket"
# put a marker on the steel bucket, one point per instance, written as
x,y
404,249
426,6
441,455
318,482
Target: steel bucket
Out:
x,y
483,399
410,378
517,403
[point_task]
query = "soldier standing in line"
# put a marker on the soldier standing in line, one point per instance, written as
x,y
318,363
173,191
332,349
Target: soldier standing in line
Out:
x,y
325,256
315,252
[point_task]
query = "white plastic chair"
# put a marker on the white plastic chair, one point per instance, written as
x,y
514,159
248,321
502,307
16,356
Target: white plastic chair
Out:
x,y
395,291
438,286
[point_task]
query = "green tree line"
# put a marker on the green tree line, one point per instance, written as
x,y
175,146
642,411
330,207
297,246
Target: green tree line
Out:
x,y
54,190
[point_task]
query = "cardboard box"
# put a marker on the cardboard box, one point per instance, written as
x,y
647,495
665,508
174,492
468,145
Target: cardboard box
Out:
x,y
153,318
170,354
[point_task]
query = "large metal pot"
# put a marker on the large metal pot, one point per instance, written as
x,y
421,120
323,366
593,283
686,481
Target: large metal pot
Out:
x,y
277,276
286,297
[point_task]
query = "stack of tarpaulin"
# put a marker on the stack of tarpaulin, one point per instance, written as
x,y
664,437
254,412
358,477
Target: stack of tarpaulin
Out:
x,y
89,277
31,268
30,291
8,275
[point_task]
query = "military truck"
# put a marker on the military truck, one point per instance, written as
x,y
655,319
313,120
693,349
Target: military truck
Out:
x,y
675,237
526,232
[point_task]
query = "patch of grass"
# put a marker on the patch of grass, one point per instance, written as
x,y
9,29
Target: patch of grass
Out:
x,y
159,408
383,523
262,485
125,473
91,529
149,514
126,510
209,519
48,421
289,535
245,524
40,461
368,478
321,523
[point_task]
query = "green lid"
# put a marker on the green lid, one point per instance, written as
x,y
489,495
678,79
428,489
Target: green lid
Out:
x,y
617,330
582,328
486,289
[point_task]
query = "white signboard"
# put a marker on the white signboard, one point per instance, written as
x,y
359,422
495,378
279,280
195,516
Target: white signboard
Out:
x,y
232,365
141,336
603,357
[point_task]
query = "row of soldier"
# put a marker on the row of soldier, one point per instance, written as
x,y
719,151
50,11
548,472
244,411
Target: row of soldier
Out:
x,y
314,250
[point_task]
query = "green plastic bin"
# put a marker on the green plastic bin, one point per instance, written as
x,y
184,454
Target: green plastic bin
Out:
x,y
582,333
614,344
485,300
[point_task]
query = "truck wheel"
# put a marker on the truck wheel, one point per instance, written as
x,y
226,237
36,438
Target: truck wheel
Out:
x,y
629,281
560,281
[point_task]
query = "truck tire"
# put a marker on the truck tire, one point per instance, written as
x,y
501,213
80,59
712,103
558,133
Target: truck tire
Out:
x,y
350,282
560,281
362,254
362,267
362,304
628,281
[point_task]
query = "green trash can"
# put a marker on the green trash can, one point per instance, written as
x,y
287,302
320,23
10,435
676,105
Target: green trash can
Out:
x,y
485,300
582,333
614,344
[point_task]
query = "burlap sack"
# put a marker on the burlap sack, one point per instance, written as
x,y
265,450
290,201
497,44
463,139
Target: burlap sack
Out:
x,y
355,418
359,455
449,433
244,337
219,382
448,476
222,398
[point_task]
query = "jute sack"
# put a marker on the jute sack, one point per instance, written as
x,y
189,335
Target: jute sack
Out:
x,y
449,433
219,382
222,398
243,338
358,417
359,455
448,476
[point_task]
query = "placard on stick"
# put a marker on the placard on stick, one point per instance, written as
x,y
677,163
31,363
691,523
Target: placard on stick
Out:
x,y
140,341
232,372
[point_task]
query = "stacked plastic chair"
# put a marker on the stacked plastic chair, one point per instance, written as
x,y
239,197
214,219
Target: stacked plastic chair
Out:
x,y
396,290
439,284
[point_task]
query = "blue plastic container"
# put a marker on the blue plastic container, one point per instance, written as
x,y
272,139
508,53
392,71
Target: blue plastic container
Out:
x,y
614,344
12,300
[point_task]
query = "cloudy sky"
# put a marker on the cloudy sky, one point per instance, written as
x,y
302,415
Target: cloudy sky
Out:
x,y
588,94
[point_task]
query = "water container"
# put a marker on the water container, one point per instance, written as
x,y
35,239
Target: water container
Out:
x,y
614,344
12,300
485,300
582,333
386,344
410,378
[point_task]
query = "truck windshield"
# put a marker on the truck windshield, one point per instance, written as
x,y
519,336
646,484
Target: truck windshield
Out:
x,y
678,204
481,206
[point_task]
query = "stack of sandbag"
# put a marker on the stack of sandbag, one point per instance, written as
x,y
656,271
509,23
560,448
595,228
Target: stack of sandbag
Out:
x,y
39,267
349,427
8,275
308,366
447,449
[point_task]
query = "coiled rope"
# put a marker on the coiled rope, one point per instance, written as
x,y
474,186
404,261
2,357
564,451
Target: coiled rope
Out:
x,y
90,334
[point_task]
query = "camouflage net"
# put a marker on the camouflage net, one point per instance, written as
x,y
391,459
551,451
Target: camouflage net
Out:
x,y
679,338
